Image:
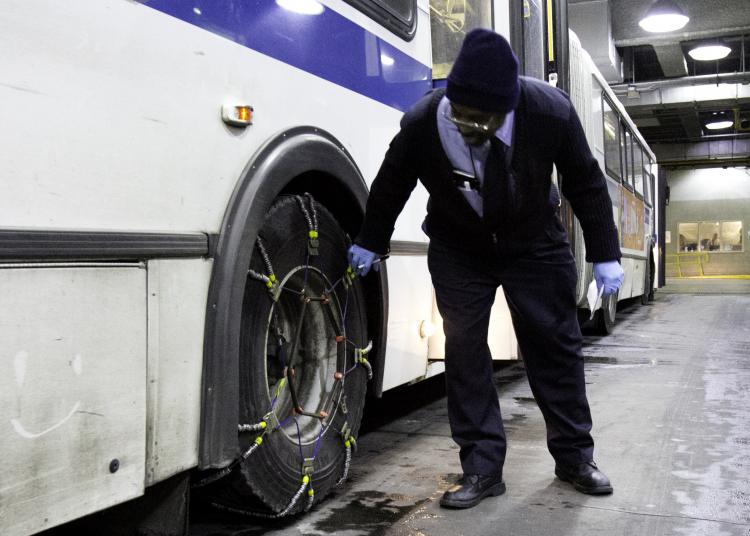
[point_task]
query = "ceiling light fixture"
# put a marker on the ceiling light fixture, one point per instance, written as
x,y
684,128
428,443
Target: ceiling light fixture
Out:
x,y
664,16
719,121
719,125
709,52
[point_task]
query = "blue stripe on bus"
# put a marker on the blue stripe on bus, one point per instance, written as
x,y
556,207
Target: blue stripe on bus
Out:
x,y
327,45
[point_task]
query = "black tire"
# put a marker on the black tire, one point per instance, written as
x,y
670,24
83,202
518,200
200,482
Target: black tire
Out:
x,y
652,272
269,478
646,285
606,316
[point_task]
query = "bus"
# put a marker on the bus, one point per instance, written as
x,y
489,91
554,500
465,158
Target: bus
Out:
x,y
181,181
631,170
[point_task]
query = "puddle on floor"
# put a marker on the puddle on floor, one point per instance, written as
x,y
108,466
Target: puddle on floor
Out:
x,y
624,362
369,513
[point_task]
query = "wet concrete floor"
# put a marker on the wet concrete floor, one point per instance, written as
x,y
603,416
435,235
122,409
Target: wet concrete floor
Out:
x,y
670,396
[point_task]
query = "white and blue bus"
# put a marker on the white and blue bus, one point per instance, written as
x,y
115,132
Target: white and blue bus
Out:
x,y
631,170
180,182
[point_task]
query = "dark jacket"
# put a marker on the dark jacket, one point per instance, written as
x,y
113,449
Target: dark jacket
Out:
x,y
546,131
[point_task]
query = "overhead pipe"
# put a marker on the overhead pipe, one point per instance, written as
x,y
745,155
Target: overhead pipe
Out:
x,y
698,80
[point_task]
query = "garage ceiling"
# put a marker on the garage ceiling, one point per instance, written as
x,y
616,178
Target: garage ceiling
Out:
x,y
668,94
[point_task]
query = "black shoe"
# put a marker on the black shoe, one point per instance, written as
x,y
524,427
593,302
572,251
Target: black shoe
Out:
x,y
585,477
471,489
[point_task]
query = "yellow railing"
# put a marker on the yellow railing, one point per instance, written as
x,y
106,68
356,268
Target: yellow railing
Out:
x,y
686,259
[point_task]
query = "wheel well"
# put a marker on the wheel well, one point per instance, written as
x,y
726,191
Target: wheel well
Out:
x,y
301,159
328,191
342,203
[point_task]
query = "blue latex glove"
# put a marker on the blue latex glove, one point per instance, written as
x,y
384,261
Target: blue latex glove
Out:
x,y
361,260
608,275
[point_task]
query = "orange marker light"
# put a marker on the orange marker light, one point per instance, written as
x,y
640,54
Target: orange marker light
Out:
x,y
237,115
245,113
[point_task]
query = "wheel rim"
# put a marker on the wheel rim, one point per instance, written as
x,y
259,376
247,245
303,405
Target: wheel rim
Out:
x,y
315,359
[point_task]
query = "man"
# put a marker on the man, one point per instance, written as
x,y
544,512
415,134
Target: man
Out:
x,y
484,149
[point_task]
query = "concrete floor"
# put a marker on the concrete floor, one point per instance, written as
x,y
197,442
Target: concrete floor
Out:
x,y
670,396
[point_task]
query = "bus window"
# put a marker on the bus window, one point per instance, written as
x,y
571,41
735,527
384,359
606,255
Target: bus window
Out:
x,y
612,161
638,168
627,156
648,180
450,21
531,54
399,16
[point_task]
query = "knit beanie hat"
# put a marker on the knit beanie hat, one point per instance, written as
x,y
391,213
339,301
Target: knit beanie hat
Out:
x,y
485,73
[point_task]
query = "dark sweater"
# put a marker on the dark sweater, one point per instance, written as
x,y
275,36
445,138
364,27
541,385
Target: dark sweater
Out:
x,y
546,131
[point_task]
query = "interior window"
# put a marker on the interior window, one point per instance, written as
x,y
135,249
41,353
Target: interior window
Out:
x,y
710,236
688,237
731,236
450,21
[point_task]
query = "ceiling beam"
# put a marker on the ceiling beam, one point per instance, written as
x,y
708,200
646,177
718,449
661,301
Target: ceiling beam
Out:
x,y
703,91
671,59
715,153
674,38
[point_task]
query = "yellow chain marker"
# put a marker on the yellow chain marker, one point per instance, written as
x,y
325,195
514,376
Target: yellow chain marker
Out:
x,y
259,440
282,383
305,479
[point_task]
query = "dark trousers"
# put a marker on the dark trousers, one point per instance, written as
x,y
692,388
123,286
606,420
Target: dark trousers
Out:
x,y
540,290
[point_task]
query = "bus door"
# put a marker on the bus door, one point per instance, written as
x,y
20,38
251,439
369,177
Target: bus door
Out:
x,y
450,21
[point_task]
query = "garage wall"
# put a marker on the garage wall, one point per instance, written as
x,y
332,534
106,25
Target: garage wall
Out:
x,y
708,195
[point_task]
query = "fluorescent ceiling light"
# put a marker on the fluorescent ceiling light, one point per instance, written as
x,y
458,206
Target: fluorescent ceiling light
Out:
x,y
718,125
663,16
709,52
303,7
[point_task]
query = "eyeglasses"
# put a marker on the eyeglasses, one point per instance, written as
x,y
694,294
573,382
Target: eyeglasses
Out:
x,y
449,114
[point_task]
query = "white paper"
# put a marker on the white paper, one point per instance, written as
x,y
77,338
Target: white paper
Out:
x,y
594,297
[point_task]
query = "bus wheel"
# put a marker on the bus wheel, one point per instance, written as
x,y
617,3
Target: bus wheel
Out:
x,y
303,365
605,317
646,286
648,291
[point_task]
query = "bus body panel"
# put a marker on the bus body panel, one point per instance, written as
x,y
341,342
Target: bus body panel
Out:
x,y
501,338
72,392
129,137
177,290
408,284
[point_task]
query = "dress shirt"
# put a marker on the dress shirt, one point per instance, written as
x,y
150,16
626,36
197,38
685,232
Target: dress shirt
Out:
x,y
461,155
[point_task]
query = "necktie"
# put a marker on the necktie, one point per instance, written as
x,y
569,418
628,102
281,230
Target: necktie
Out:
x,y
497,191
